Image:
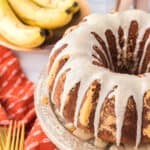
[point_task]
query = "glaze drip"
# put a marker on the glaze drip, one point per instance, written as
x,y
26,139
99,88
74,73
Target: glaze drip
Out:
x,y
113,74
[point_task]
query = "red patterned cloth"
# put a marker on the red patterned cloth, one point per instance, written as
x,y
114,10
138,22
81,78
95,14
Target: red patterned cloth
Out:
x,y
17,103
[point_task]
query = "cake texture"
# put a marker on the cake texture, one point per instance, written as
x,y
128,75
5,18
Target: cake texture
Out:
x,y
99,80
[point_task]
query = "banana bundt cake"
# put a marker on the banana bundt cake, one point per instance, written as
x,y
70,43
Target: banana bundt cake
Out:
x,y
99,80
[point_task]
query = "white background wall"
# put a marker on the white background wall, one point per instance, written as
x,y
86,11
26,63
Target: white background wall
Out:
x,y
101,6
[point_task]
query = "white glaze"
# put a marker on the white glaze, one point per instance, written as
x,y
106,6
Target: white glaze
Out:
x,y
80,42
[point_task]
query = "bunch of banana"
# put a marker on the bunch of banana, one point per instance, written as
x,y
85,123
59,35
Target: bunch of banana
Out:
x,y
61,4
27,23
15,31
48,18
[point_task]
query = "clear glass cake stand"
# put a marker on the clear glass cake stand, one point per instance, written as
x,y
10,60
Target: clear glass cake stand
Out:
x,y
50,123
54,129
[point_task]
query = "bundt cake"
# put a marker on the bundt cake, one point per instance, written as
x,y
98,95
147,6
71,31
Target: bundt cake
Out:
x,y
99,80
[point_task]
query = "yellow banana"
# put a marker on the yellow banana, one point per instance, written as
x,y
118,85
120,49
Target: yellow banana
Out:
x,y
61,4
16,32
32,14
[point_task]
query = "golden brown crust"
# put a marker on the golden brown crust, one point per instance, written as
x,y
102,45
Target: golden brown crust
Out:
x,y
146,118
54,71
107,130
132,38
55,54
146,59
107,125
59,89
142,44
101,55
88,107
112,47
71,103
102,43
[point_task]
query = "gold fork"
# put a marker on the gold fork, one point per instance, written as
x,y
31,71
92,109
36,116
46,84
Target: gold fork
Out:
x,y
3,135
13,137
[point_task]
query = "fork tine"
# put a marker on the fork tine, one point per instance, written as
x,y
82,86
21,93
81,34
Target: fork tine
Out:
x,y
13,136
17,137
21,143
0,145
5,132
2,137
9,136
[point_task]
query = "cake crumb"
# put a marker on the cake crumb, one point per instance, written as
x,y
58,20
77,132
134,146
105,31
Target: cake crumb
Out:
x,y
45,100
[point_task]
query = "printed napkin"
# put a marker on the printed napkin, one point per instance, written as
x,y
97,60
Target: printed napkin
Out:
x,y
17,101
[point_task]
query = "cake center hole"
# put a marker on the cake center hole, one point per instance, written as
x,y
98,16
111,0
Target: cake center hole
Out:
x,y
128,56
129,64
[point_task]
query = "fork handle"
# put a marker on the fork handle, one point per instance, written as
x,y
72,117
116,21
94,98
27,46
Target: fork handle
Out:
x,y
142,4
122,5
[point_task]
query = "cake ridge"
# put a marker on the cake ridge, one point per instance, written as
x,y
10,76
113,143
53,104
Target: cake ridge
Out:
x,y
81,69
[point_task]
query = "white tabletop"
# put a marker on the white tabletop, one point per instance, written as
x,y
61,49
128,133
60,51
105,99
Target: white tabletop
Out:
x,y
33,62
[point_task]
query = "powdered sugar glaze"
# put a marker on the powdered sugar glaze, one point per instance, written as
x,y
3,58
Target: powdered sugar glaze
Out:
x,y
80,49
